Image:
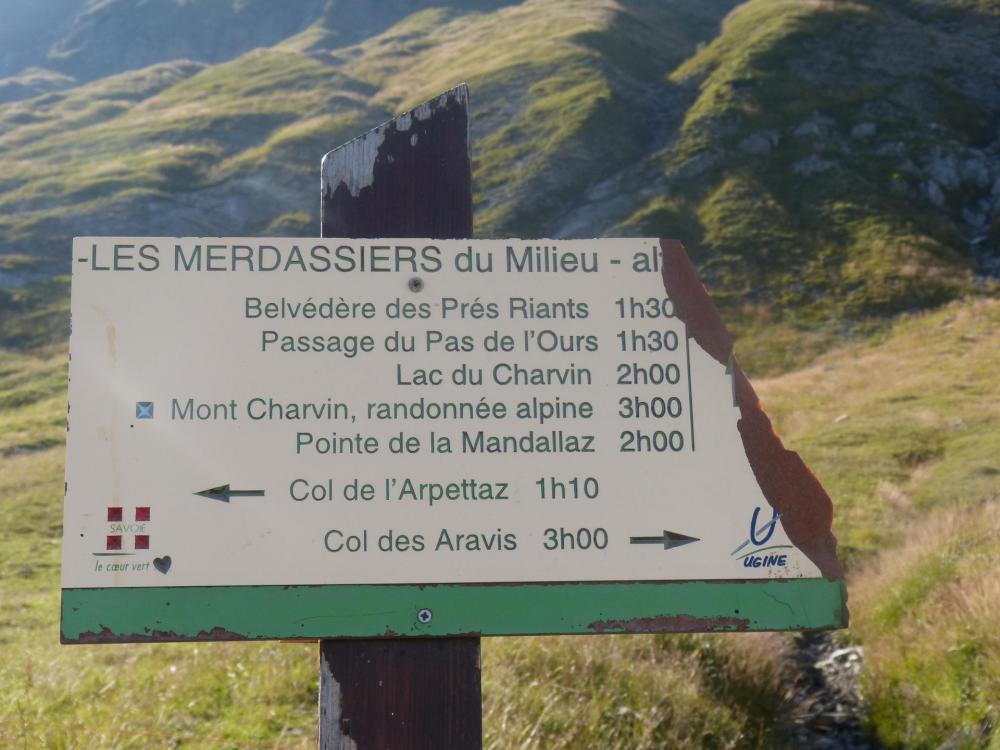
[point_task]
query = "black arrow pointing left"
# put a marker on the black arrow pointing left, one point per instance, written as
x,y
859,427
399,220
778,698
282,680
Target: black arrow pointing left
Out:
x,y
223,493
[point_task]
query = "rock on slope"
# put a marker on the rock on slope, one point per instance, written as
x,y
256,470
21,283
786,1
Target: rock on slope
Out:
x,y
840,157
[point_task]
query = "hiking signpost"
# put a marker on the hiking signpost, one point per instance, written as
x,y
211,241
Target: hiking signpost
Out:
x,y
395,444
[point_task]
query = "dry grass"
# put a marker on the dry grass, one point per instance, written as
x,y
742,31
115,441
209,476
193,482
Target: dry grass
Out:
x,y
913,470
899,426
927,616
638,692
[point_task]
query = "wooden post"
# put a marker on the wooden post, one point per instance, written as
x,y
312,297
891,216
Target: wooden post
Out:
x,y
410,177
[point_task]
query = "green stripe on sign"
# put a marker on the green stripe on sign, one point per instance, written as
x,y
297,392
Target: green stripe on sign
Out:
x,y
110,615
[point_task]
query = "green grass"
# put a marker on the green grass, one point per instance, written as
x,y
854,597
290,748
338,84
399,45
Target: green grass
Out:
x,y
891,447
904,431
32,402
822,252
926,615
630,692
35,315
913,471
613,692
609,692
817,275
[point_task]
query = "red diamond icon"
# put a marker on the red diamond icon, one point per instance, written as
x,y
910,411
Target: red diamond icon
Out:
x,y
115,542
142,513
115,513
142,541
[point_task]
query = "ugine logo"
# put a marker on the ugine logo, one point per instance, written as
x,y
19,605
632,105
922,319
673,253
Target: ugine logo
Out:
x,y
756,557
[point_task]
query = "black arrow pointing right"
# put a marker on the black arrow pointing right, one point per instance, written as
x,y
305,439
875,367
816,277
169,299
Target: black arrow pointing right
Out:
x,y
669,539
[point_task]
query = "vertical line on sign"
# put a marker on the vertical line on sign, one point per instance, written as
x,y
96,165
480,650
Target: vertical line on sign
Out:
x,y
687,354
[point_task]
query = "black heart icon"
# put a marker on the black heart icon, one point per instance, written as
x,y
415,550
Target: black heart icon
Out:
x,y
162,564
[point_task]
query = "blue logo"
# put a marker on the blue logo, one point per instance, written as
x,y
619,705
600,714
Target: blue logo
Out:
x,y
768,529
143,409
759,536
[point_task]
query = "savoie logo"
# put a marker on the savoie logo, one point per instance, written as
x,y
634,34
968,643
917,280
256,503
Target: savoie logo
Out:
x,y
761,556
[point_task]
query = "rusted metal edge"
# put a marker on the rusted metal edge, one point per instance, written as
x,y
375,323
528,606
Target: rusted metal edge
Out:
x,y
672,624
785,481
215,613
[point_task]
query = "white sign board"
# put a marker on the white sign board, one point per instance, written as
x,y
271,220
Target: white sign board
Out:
x,y
399,411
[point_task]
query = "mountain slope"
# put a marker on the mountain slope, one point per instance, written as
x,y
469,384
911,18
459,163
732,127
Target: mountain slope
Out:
x,y
561,101
28,32
832,164
89,39
841,159
905,434
828,163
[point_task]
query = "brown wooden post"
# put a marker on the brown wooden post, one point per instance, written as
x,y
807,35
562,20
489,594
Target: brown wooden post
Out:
x,y
410,177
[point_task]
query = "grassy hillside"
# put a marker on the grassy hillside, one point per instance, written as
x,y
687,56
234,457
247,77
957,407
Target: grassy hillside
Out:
x,y
834,168
911,461
902,426
841,161
905,434
29,30
88,39
827,171
561,95
926,615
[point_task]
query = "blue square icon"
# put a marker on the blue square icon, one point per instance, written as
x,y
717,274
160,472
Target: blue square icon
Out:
x,y
143,409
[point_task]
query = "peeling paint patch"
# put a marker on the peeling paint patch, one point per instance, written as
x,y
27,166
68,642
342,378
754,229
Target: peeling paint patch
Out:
x,y
354,162
671,624
784,479
105,635
382,174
